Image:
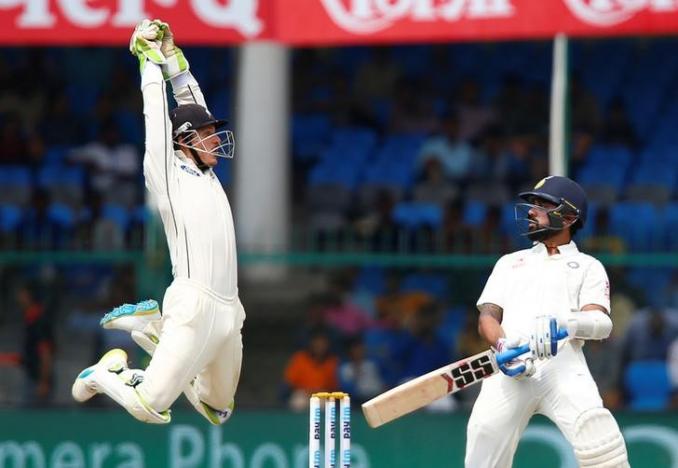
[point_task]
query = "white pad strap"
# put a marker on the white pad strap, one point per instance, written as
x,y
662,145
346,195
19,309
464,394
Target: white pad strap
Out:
x,y
589,325
215,417
598,442
148,341
121,388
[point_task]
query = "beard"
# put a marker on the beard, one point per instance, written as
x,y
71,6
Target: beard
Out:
x,y
538,232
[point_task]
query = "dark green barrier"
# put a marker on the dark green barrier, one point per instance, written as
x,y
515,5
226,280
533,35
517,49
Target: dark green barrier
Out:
x,y
274,439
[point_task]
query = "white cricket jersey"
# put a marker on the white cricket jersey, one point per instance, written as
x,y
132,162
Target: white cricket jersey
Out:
x,y
194,209
529,283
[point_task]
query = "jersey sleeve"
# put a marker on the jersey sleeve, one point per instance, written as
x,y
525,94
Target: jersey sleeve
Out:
x,y
187,91
159,154
595,288
495,287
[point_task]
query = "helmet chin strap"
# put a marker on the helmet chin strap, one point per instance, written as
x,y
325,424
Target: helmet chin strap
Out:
x,y
198,160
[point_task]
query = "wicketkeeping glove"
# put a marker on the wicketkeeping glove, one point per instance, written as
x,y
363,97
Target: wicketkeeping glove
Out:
x,y
145,44
518,368
176,62
543,339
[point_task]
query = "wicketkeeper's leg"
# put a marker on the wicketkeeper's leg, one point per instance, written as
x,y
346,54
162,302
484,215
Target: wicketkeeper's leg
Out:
x,y
112,377
142,320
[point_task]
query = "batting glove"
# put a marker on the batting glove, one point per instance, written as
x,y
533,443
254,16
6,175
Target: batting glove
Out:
x,y
145,44
518,368
176,61
543,339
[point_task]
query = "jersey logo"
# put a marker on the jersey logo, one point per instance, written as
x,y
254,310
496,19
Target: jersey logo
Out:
x,y
189,170
573,265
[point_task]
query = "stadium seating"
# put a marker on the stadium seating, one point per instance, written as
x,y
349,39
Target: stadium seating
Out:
x,y
647,383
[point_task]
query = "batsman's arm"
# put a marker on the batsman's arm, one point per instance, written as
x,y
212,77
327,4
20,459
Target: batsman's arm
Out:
x,y
489,322
159,148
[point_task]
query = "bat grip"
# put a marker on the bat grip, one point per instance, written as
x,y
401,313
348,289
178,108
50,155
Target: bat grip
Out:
x,y
506,356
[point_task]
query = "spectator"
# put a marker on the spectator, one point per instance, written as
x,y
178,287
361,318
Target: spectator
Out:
x,y
489,238
648,337
378,227
109,161
673,372
456,234
341,313
585,110
39,230
397,308
604,240
605,363
412,109
99,232
61,126
359,375
38,348
454,153
474,116
376,77
433,187
617,128
313,369
12,140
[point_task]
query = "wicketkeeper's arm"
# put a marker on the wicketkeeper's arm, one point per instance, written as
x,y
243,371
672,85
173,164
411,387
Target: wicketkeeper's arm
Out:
x,y
158,156
177,70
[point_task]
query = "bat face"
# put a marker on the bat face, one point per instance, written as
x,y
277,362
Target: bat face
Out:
x,y
469,371
424,390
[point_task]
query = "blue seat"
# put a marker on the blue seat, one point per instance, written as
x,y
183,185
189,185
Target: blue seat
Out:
x,y
612,155
117,214
655,173
475,212
131,126
603,174
647,383
670,224
413,215
347,137
10,217
638,223
434,285
62,215
310,134
372,279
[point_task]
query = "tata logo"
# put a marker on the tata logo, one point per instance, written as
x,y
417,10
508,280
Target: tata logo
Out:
x,y
370,16
612,12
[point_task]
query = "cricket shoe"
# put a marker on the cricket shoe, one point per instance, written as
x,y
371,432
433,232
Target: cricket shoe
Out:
x,y
85,385
142,320
130,317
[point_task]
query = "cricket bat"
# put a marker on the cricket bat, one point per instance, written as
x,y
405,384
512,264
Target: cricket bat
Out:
x,y
449,379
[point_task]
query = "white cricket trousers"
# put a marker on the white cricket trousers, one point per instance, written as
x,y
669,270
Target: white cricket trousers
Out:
x,y
561,389
200,338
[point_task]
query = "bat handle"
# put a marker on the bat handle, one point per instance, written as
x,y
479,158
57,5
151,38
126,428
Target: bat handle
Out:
x,y
506,356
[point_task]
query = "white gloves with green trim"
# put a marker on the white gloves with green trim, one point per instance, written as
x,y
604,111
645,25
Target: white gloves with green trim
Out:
x,y
154,41
176,62
144,44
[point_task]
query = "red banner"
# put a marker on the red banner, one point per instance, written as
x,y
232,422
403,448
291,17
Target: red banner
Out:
x,y
389,21
327,22
110,22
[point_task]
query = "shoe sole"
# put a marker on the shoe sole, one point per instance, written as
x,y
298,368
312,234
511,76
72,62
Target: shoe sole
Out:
x,y
141,309
80,391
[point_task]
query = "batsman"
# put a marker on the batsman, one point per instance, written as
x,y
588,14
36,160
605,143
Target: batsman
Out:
x,y
529,294
196,344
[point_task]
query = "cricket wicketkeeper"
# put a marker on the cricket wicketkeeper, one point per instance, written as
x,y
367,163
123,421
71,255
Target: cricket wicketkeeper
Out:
x,y
196,344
